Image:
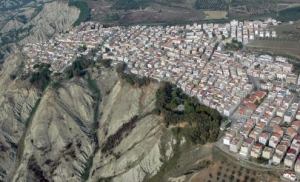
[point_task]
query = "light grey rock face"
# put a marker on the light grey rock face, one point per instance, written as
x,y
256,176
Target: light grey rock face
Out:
x,y
139,153
56,142
53,18
16,101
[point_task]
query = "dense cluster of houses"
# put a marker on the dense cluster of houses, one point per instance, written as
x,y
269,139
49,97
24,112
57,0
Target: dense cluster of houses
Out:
x,y
60,51
193,58
271,133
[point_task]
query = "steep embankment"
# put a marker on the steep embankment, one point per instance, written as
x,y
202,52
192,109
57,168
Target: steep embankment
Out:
x,y
60,141
17,98
130,152
53,18
57,142
36,22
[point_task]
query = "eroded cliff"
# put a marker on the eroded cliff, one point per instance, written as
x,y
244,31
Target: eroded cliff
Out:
x,y
53,135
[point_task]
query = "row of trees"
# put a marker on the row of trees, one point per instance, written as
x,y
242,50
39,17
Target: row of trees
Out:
x,y
130,4
203,122
209,4
114,140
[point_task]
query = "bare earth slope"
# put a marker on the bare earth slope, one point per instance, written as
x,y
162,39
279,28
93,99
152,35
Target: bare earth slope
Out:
x,y
59,140
139,153
53,18
56,142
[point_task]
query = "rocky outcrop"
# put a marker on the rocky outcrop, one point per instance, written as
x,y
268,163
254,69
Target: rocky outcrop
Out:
x,y
57,144
54,17
12,24
17,98
37,22
139,154
59,139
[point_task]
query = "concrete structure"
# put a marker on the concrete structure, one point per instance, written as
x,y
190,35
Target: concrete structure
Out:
x,y
268,152
256,150
246,147
236,143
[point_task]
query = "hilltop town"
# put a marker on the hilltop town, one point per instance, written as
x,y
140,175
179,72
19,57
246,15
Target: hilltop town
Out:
x,y
255,91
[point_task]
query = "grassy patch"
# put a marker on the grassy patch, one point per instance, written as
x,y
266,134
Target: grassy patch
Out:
x,y
86,173
167,166
29,119
93,86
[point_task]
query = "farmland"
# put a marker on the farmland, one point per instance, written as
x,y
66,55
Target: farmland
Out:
x,y
209,15
250,8
124,12
291,14
276,47
225,171
288,32
287,41
210,4
162,14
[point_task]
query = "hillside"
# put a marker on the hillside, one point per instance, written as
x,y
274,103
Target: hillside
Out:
x,y
54,135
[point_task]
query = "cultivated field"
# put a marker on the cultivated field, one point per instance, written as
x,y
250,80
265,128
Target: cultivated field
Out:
x,y
252,7
223,171
162,14
276,47
209,15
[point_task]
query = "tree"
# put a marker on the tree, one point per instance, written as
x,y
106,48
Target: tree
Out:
x,y
12,76
106,63
120,68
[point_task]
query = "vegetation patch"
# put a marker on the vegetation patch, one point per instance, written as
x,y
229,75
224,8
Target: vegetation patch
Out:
x,y
291,14
93,86
130,4
202,122
210,4
84,14
78,67
29,119
168,165
86,173
114,140
41,78
234,45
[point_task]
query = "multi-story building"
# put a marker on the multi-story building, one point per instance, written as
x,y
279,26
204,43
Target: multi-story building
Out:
x,y
274,140
290,158
268,152
236,143
256,150
246,147
263,138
